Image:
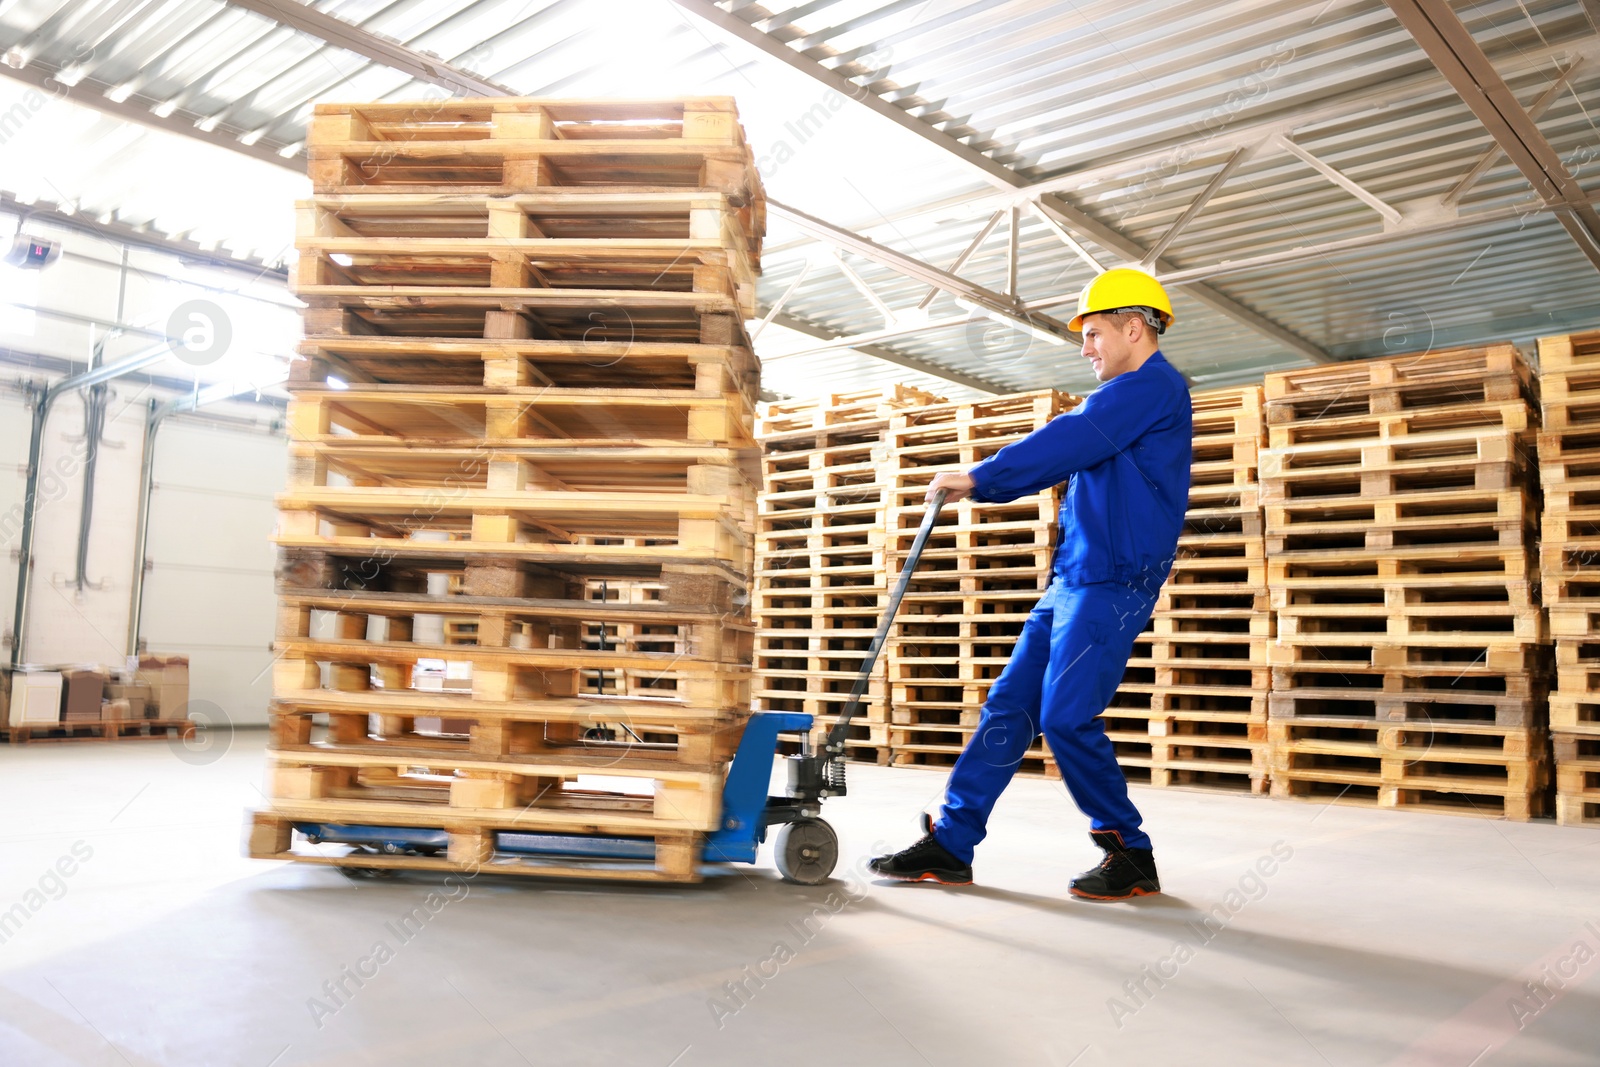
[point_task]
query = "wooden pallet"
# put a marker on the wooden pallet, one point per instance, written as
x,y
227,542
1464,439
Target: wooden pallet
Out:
x,y
1217,552
503,520
1414,380
1513,507
617,316
541,792
1424,570
1233,413
515,145
709,370
1451,624
922,747
1418,706
1426,464
792,475
526,417
1568,352
1575,713
1577,763
99,730
364,466
1569,455
471,850
1488,770
1180,751
1002,418
1198,703
1516,416
557,214
677,265
785,421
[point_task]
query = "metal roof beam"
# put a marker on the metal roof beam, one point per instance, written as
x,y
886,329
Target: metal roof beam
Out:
x,y
1111,239
1341,179
122,233
1348,244
922,366
1194,208
966,254
1055,227
1492,153
379,49
914,268
1243,133
888,333
995,173
91,93
862,287
1450,45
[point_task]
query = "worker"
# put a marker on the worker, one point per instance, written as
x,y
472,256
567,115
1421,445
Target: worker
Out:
x,y
1124,454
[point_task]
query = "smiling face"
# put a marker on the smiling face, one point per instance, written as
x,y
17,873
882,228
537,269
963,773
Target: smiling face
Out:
x,y
1115,347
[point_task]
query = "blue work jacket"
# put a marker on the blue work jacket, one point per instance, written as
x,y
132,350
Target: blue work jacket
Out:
x,y
1125,454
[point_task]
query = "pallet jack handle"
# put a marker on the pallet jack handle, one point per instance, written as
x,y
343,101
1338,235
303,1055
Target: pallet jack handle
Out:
x,y
836,736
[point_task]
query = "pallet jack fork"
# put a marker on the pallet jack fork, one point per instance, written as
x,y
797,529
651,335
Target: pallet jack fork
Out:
x,y
805,847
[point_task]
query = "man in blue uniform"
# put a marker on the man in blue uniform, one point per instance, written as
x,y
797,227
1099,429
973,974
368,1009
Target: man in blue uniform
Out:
x,y
1125,455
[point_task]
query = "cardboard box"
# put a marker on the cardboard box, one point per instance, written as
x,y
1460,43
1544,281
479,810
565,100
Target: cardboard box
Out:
x,y
130,691
173,702
132,701
85,689
167,676
35,697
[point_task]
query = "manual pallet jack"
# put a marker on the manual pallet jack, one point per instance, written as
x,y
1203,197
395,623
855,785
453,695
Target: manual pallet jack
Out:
x,y
805,847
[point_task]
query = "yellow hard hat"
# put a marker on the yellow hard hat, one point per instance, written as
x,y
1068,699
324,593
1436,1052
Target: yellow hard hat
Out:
x,y
1124,289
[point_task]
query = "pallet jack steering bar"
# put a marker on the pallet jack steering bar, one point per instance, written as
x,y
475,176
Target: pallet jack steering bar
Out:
x,y
834,747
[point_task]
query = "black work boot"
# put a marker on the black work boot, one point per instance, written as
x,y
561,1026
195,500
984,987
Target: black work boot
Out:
x,y
925,861
1124,873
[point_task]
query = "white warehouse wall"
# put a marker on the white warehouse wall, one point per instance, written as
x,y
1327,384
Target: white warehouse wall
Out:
x,y
208,590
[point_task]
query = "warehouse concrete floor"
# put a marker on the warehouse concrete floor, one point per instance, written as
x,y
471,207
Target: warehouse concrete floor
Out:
x,y
1291,933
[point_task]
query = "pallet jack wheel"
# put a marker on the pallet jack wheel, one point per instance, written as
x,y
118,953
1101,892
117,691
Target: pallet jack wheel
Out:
x,y
806,851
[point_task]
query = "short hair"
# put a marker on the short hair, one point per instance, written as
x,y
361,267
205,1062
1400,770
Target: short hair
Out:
x,y
1119,319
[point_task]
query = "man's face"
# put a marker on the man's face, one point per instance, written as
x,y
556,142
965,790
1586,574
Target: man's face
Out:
x,y
1108,348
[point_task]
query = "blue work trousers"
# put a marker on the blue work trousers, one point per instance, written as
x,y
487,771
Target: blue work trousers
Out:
x,y
1063,672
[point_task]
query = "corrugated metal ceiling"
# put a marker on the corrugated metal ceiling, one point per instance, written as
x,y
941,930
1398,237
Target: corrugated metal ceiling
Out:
x,y
1126,110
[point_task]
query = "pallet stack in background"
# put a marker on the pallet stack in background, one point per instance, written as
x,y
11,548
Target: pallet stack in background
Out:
x,y
820,570
521,450
1192,709
983,569
1569,467
1402,511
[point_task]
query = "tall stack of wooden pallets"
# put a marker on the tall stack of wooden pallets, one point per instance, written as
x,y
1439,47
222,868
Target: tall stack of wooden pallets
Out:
x,y
1192,709
525,374
1402,508
821,581
983,569
1569,467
